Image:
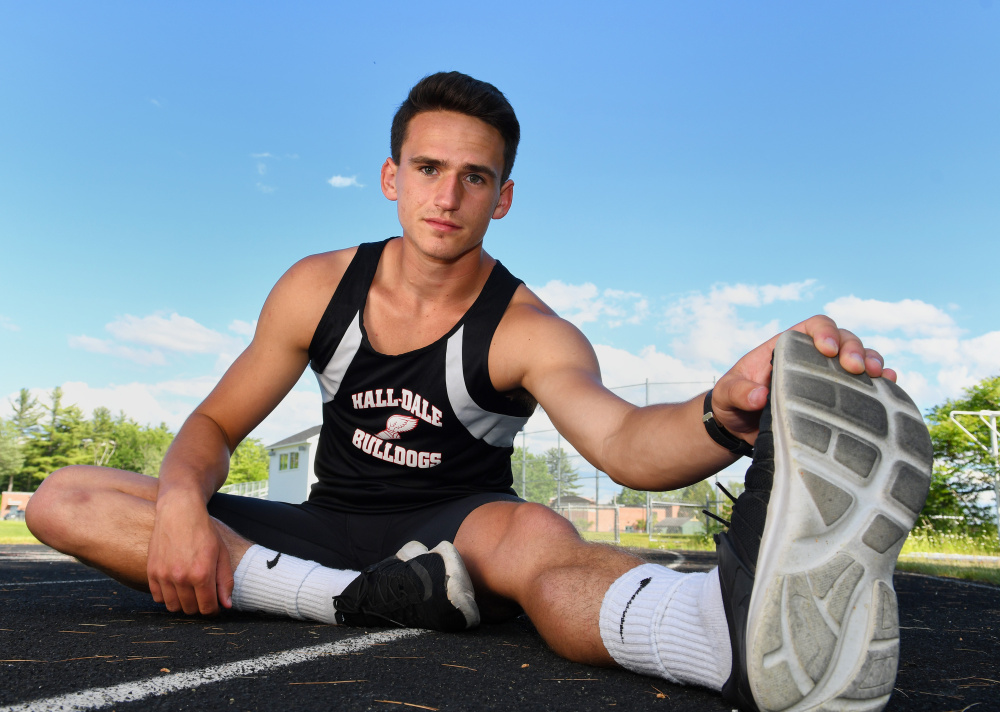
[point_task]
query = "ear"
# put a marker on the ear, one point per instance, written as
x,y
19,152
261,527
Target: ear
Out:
x,y
506,198
388,181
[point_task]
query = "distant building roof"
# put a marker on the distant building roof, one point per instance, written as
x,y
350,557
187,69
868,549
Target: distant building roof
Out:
x,y
569,499
297,438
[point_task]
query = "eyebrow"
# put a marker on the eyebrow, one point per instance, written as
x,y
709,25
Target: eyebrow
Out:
x,y
438,163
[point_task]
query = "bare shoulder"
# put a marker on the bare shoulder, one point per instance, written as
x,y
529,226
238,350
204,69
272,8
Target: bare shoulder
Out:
x,y
320,271
532,339
300,297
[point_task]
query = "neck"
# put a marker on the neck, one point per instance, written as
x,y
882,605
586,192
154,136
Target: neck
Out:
x,y
429,278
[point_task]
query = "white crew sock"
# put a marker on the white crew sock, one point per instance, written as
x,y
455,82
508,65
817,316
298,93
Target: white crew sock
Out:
x,y
659,622
269,582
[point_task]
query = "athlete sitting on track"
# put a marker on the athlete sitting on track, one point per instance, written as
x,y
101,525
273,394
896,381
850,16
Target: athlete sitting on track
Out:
x,y
430,358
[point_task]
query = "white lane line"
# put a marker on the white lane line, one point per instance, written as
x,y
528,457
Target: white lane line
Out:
x,y
944,579
133,691
18,584
679,562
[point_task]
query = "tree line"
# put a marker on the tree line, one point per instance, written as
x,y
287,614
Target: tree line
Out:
x,y
39,438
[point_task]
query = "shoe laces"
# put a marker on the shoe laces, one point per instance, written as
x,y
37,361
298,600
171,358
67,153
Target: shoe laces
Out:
x,y
387,591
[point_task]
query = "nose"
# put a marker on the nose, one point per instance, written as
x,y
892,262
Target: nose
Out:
x,y
449,193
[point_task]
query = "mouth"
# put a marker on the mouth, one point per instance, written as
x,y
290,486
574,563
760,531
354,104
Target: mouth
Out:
x,y
442,225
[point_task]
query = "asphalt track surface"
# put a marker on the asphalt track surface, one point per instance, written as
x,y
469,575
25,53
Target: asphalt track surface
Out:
x,y
73,639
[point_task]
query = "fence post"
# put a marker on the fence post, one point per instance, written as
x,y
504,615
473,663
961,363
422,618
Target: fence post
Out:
x,y
524,465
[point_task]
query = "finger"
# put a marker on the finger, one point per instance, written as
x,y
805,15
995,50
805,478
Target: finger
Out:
x,y
874,363
737,394
824,333
889,374
224,578
205,600
852,352
170,598
188,598
154,589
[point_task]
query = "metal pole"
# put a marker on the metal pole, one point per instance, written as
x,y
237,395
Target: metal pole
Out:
x,y
524,465
649,510
597,502
996,472
559,471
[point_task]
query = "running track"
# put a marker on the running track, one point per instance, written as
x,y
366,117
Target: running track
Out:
x,y
73,639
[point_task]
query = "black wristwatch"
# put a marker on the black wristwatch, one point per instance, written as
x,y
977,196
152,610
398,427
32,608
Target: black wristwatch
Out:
x,y
722,436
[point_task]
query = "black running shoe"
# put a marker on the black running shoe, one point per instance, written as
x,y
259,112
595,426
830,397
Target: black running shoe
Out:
x,y
416,588
841,470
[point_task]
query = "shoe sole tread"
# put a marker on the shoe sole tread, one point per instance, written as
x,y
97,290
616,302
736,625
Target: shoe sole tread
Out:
x,y
855,468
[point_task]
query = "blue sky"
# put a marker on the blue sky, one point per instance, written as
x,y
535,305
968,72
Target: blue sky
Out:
x,y
692,177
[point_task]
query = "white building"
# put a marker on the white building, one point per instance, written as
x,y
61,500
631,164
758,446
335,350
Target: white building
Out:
x,y
291,470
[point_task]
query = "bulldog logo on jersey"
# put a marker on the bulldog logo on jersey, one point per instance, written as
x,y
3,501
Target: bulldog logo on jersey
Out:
x,y
395,425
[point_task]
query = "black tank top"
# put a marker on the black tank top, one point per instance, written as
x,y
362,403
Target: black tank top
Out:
x,y
427,426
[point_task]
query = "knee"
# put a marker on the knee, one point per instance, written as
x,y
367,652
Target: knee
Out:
x,y
538,522
542,528
50,510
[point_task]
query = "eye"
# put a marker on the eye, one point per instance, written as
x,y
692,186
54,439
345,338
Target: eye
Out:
x,y
427,170
476,179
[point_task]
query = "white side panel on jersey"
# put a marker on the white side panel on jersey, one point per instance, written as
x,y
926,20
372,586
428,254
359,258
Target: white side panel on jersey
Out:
x,y
496,429
333,375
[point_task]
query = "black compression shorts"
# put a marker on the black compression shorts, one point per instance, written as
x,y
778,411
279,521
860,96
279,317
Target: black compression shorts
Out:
x,y
340,540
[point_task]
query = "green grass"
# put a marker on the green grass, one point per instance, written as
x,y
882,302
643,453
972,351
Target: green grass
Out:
x,y
15,533
918,542
967,571
928,541
659,541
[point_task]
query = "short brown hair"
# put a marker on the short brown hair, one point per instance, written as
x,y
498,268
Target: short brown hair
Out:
x,y
454,91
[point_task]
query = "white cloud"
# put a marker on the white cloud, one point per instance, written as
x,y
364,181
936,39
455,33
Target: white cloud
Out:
x,y
163,335
142,357
243,328
910,316
261,168
585,303
172,333
300,409
261,155
344,182
266,189
7,324
156,103
709,329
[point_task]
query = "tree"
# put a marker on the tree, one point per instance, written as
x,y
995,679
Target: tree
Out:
x,y
562,471
963,470
11,457
537,484
631,498
249,462
138,448
57,442
24,422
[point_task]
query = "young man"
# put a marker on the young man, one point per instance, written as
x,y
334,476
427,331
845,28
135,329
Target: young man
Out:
x,y
430,358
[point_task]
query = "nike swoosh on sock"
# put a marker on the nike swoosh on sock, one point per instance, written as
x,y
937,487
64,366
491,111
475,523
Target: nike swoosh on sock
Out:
x,y
621,626
274,562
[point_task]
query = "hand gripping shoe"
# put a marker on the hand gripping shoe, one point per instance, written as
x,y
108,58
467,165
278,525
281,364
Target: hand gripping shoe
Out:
x,y
416,588
841,470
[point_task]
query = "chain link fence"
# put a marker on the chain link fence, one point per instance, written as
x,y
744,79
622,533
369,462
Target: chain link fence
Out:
x,y
550,471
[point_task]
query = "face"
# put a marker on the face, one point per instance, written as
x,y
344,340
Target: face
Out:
x,y
447,184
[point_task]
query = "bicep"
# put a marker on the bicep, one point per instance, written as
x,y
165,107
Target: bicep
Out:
x,y
270,366
562,372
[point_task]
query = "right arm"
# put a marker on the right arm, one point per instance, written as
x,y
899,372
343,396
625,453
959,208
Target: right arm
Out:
x,y
188,566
